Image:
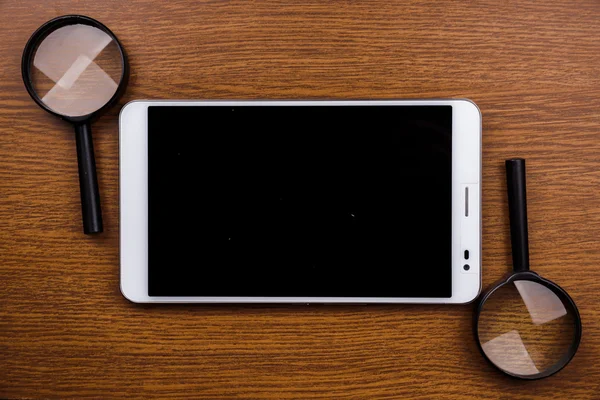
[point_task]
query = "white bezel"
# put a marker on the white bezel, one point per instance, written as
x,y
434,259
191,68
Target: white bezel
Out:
x,y
466,180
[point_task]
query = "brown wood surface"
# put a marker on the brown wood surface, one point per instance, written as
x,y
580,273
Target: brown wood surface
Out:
x,y
533,67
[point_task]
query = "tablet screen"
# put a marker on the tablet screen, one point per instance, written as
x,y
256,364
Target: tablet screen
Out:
x,y
300,201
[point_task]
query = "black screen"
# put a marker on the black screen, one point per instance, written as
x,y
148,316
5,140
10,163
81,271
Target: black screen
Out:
x,y
328,201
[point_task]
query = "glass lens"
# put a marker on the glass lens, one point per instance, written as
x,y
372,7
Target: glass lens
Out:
x,y
76,69
525,329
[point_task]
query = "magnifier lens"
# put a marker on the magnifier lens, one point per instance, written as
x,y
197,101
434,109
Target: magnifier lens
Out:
x,y
526,329
76,69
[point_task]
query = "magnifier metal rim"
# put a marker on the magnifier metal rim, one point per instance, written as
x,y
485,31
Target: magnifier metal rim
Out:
x,y
41,33
565,298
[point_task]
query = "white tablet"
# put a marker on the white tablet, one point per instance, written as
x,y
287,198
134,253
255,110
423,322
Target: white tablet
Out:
x,y
300,201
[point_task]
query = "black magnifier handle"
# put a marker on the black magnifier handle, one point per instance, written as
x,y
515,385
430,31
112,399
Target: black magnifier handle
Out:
x,y
88,181
517,208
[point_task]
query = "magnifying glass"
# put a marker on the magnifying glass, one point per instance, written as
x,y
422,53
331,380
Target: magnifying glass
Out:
x,y
75,68
526,326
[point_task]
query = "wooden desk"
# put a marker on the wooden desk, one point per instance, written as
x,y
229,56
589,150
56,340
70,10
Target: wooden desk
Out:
x,y
532,67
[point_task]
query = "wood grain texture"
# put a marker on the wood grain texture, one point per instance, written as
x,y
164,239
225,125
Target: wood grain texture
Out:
x,y
533,68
